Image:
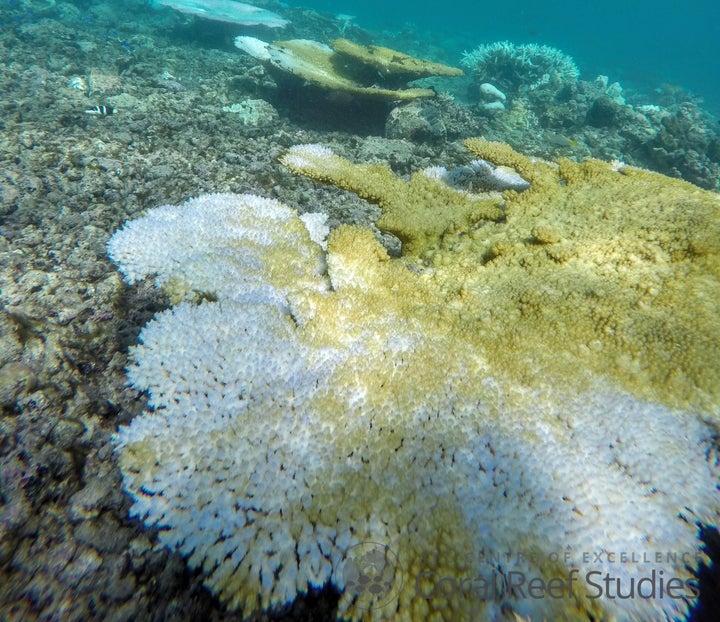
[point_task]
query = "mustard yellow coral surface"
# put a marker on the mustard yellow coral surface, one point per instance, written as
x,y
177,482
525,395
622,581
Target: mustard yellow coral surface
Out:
x,y
592,269
390,63
450,435
317,64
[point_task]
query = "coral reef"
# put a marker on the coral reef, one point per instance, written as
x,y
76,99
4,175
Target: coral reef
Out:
x,y
227,11
557,114
539,376
373,62
521,69
346,67
686,144
647,275
67,180
523,88
478,176
418,211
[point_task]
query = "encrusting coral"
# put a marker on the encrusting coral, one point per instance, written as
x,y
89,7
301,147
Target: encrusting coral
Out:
x,y
465,432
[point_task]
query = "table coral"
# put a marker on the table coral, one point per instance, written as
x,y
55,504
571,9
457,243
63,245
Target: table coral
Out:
x,y
348,69
418,211
228,11
495,416
373,61
592,268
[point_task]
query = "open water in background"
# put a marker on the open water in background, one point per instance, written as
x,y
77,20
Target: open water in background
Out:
x,y
641,42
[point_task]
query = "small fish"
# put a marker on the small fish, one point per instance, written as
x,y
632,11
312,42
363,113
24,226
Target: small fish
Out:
x,y
103,111
558,140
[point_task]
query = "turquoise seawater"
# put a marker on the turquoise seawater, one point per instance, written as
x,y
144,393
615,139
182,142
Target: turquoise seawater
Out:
x,y
644,42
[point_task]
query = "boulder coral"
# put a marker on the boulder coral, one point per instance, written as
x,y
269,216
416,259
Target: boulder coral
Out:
x,y
516,417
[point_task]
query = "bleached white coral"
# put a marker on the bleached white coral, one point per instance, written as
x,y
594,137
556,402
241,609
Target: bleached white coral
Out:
x,y
438,173
514,66
479,176
303,155
254,47
227,11
217,242
316,223
286,57
491,93
290,426
230,385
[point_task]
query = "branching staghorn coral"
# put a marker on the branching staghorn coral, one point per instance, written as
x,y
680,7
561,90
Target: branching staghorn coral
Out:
x,y
442,407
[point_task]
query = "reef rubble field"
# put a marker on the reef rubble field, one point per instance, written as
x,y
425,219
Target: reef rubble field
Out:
x,y
104,116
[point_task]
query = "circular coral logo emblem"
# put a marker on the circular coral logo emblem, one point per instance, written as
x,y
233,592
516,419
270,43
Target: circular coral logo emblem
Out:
x,y
371,574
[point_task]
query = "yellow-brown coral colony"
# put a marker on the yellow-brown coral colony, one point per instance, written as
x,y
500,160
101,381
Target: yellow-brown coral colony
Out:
x,y
389,64
347,67
592,268
538,373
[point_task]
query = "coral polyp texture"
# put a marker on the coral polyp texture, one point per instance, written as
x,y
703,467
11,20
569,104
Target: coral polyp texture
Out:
x,y
515,418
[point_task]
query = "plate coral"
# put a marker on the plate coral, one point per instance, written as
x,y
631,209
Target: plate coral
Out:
x,y
476,429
